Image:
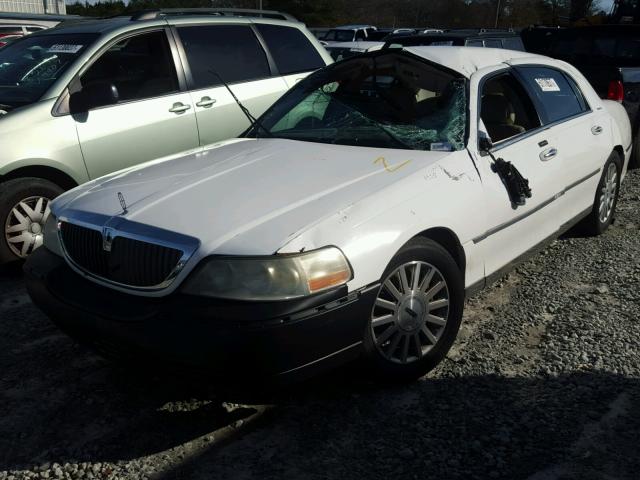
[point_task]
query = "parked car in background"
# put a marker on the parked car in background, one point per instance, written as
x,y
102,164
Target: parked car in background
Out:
x,y
86,99
13,31
319,32
8,38
348,33
488,38
35,19
607,55
341,50
350,221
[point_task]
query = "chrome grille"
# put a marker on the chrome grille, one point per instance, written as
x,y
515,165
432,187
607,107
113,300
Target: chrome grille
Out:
x,y
130,262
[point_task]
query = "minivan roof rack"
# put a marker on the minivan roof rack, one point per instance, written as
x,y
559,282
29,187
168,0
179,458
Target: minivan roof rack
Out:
x,y
221,12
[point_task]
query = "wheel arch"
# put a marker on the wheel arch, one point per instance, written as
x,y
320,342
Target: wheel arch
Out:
x,y
447,238
52,174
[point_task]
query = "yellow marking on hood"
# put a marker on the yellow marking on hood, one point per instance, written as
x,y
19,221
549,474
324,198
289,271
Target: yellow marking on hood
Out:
x,y
393,168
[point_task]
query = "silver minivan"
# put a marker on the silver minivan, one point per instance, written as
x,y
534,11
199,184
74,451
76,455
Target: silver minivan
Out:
x,y
85,99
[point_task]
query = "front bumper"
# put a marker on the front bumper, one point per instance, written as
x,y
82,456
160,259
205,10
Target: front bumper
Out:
x,y
293,338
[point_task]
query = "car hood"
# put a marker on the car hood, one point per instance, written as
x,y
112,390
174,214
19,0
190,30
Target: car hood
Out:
x,y
245,197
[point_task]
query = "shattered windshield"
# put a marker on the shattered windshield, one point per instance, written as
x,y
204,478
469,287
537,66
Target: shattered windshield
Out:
x,y
29,66
391,100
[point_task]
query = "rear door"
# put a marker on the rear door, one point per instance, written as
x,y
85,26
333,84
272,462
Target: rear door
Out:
x,y
294,55
215,54
582,134
153,117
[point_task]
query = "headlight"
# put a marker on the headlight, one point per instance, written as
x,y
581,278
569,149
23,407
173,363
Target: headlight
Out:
x,y
276,277
50,235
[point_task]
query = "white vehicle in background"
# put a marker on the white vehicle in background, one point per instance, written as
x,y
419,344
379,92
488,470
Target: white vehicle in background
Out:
x,y
350,221
341,50
348,33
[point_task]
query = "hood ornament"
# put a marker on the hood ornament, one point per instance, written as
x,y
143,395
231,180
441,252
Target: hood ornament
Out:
x,y
123,204
108,234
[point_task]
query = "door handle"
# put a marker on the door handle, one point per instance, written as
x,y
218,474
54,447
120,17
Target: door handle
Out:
x,y
548,154
206,102
179,107
597,129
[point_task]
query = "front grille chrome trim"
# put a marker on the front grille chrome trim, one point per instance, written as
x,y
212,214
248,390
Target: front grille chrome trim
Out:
x,y
121,227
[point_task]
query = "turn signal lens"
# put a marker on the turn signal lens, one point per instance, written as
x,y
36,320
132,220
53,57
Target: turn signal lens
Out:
x,y
325,269
616,91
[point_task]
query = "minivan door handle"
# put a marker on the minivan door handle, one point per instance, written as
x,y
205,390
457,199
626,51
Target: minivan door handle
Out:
x,y
179,107
206,102
548,154
596,129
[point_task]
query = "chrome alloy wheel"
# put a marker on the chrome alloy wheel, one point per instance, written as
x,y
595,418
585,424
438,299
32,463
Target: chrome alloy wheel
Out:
x,y
410,312
608,193
24,228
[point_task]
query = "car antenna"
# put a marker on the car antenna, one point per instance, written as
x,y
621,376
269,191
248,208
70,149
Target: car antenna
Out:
x,y
254,121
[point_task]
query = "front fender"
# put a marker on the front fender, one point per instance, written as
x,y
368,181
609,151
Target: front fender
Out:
x,y
370,232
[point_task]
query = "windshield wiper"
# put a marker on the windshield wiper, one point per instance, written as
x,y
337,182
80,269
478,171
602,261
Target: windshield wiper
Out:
x,y
253,120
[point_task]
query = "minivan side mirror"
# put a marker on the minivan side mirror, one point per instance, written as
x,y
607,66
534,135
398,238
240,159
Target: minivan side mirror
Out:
x,y
93,95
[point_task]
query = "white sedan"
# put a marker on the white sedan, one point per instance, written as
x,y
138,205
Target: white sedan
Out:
x,y
349,222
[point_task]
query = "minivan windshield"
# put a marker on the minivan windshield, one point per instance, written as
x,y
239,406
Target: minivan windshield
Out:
x,y
391,100
29,66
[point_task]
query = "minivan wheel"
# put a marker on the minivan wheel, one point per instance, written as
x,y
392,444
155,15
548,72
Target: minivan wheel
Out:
x,y
606,197
417,312
24,209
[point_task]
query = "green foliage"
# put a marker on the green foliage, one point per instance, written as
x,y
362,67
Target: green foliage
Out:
x,y
412,13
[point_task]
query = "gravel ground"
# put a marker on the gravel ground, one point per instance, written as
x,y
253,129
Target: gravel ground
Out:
x,y
543,384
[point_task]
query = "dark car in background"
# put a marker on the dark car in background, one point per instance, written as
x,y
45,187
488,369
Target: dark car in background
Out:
x,y
489,38
607,55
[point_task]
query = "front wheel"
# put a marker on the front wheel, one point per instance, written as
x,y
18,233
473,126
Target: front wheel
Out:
x,y
606,198
417,312
24,208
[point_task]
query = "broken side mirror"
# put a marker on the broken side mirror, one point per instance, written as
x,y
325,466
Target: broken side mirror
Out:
x,y
484,142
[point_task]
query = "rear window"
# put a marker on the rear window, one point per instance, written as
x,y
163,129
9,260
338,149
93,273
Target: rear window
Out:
x,y
291,49
493,43
559,98
513,43
230,51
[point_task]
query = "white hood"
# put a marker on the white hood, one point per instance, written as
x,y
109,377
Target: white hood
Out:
x,y
246,197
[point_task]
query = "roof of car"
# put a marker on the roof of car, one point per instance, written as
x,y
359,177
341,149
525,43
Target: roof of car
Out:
x,y
468,60
105,25
358,44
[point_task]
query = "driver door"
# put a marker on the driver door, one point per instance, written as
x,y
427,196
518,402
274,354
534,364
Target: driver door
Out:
x,y
509,116
153,117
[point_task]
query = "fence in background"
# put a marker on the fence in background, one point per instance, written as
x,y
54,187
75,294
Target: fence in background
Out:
x,y
33,6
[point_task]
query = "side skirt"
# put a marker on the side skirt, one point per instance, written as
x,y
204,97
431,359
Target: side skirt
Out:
x,y
487,281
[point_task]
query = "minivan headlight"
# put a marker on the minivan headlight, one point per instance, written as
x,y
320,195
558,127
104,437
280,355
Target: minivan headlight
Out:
x,y
276,277
51,240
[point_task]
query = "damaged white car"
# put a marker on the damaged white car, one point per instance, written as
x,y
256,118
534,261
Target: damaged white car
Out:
x,y
349,222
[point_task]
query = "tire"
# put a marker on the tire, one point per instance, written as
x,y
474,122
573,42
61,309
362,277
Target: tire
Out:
x,y
634,161
595,223
385,357
14,195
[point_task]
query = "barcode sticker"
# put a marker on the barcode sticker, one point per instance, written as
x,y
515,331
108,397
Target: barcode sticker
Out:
x,y
548,84
62,48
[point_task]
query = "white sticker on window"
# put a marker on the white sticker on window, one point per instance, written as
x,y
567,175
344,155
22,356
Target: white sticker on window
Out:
x,y
62,48
547,84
